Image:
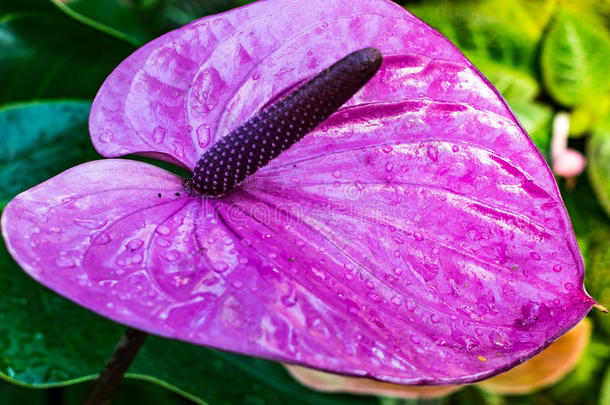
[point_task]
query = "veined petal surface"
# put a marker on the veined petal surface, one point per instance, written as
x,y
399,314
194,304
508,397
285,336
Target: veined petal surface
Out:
x,y
416,237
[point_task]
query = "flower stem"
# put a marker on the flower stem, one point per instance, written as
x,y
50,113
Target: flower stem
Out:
x,y
124,353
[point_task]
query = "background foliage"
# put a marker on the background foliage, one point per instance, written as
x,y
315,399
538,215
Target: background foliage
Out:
x,y
545,56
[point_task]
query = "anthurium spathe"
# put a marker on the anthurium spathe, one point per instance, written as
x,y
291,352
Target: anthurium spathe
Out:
x,y
417,236
541,371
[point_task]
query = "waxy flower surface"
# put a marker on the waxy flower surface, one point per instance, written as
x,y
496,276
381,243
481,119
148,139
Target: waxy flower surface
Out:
x,y
417,236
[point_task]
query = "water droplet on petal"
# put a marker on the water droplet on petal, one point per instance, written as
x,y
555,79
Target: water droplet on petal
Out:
x,y
375,297
159,134
64,262
289,300
389,167
220,267
204,133
101,238
172,256
134,244
418,236
163,230
337,173
455,148
396,300
178,150
557,268
432,152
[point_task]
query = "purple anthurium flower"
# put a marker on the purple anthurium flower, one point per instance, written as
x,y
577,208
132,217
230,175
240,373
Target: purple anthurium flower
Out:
x,y
417,236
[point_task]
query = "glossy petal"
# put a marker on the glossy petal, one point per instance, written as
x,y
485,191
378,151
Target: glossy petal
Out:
x,y
178,94
546,368
416,237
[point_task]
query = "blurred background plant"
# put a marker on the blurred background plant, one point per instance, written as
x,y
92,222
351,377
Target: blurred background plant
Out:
x,y
548,58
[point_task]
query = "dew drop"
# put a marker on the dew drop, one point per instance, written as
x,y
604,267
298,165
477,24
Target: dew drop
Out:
x,y
163,230
337,174
64,262
289,301
162,242
178,150
434,318
101,238
256,76
220,267
397,271
375,297
369,284
396,300
535,256
432,152
159,135
389,167
569,286
237,284
204,135
557,268
418,236
455,148
172,256
90,223
359,186
134,244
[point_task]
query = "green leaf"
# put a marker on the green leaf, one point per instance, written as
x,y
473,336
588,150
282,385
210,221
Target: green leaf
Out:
x,y
180,12
12,394
589,114
498,45
597,277
128,393
46,340
45,54
598,169
586,213
140,21
604,395
41,139
124,20
537,119
574,59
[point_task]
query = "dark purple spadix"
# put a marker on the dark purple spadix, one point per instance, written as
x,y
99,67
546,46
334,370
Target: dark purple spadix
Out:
x,y
275,129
